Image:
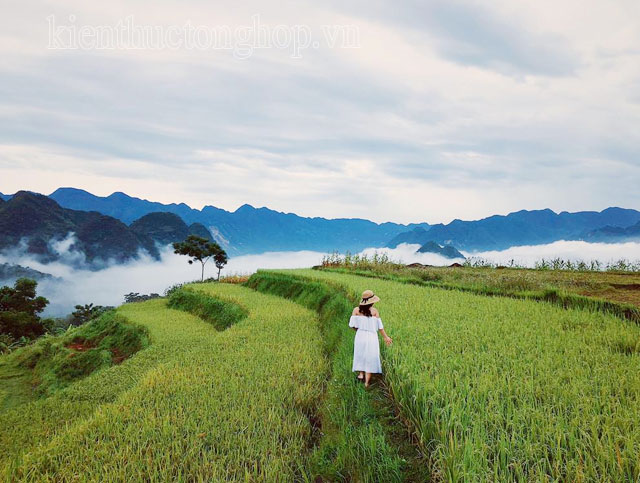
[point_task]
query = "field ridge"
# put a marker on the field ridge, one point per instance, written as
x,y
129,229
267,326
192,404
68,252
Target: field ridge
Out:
x,y
504,389
553,296
364,438
197,404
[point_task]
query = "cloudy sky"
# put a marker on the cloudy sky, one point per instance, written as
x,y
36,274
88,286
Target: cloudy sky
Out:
x,y
437,110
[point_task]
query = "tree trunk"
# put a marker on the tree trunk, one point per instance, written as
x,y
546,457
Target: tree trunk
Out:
x,y
219,274
202,279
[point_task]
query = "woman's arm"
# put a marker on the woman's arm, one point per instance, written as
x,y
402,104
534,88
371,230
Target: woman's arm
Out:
x,y
387,340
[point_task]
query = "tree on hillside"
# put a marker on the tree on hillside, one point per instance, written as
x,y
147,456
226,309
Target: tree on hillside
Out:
x,y
19,309
201,250
220,260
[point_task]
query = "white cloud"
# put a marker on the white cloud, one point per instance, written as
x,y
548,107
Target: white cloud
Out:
x,y
522,255
407,253
145,275
566,250
424,122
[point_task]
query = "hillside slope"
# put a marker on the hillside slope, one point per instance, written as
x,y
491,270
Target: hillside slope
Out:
x,y
40,221
163,228
197,405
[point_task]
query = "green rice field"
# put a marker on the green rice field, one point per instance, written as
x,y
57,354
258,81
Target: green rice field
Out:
x,y
197,405
497,389
254,383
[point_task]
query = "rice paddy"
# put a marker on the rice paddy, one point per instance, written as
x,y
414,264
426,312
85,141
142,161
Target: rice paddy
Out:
x,y
240,384
197,405
499,389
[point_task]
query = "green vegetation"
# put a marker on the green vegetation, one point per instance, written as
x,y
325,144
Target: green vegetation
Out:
x,y
54,362
359,441
219,313
20,309
240,384
196,405
613,292
85,313
201,250
620,265
500,389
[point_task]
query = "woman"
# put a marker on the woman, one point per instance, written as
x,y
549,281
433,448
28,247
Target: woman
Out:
x,y
365,320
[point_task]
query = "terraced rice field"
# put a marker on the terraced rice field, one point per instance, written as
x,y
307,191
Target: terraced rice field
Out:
x,y
500,389
197,405
243,385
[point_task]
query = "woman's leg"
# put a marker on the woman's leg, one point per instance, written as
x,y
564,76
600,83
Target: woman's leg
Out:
x,y
361,375
367,378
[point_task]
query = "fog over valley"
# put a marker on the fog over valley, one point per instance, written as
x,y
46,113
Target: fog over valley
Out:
x,y
76,283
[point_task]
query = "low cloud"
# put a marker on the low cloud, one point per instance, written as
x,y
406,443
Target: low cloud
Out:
x,y
523,255
408,253
144,275
64,251
567,250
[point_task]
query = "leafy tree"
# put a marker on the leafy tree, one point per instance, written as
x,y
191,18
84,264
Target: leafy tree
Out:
x,y
201,250
19,309
220,260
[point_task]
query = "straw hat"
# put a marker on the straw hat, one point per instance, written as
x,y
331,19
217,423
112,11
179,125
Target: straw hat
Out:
x,y
369,298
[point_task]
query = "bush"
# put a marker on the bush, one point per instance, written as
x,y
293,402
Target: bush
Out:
x,y
8,343
133,297
56,361
87,312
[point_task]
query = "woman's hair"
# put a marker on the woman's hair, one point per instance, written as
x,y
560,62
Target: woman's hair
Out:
x,y
365,310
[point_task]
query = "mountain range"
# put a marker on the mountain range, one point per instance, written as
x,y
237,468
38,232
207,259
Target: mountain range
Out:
x,y
527,228
42,224
446,251
615,233
247,229
119,226
44,228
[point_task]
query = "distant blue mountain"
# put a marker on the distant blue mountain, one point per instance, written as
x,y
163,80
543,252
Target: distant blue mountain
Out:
x,y
258,230
617,234
446,251
521,228
248,229
37,220
417,236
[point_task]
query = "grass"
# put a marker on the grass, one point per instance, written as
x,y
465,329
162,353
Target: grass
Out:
x,y
196,405
361,440
219,313
616,293
54,362
500,389
240,384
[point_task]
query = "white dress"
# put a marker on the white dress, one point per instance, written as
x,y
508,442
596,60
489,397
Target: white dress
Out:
x,y
366,347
